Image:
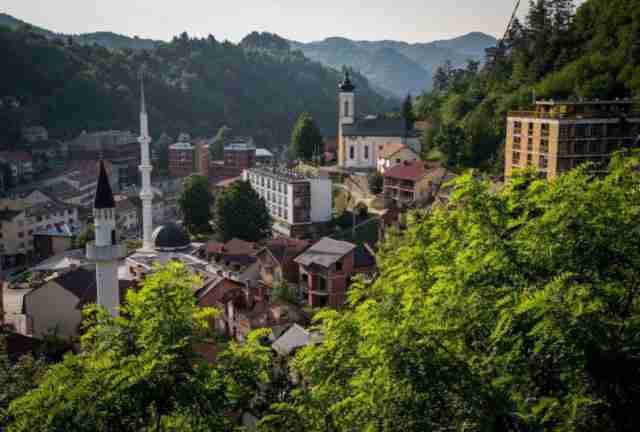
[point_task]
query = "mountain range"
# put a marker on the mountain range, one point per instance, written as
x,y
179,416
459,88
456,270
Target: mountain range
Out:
x,y
397,68
393,68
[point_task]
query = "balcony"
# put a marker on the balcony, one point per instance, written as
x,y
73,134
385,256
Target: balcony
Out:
x,y
559,116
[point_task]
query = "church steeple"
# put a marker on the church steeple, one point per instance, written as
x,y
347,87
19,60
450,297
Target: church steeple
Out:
x,y
346,86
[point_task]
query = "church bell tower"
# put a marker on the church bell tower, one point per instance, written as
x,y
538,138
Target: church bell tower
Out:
x,y
347,113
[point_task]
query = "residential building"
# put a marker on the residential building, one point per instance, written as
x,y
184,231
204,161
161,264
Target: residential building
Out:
x,y
19,224
293,339
264,157
55,240
182,157
51,302
556,136
326,269
240,153
235,259
33,134
76,184
361,140
20,164
411,182
120,148
276,260
394,154
299,205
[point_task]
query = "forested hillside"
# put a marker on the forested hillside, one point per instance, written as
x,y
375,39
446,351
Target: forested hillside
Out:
x,y
194,85
554,53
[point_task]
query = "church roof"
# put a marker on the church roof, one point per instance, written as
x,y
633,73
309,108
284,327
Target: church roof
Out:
x,y
346,85
379,127
104,196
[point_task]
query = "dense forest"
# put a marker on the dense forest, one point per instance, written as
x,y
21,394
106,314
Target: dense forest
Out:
x,y
557,52
192,85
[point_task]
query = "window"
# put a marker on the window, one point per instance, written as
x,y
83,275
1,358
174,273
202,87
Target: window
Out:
x,y
545,129
544,146
398,160
516,142
366,152
351,152
543,162
346,109
338,266
530,144
529,159
516,157
517,127
20,234
530,128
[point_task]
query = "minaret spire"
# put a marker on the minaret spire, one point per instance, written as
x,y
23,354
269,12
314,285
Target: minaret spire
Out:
x,y
105,251
146,193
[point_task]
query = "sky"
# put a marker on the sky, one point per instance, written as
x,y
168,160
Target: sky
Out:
x,y
407,20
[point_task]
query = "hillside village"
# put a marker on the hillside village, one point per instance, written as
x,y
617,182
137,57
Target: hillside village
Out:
x,y
422,268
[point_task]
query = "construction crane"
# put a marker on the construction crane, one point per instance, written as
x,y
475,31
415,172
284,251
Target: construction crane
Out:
x,y
499,51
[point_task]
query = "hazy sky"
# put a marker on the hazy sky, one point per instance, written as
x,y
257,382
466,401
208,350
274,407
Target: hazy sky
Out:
x,y
409,20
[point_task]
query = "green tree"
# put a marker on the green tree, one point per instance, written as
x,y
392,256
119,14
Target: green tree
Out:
x,y
139,371
509,310
241,213
376,182
306,140
17,378
195,203
408,112
451,141
221,138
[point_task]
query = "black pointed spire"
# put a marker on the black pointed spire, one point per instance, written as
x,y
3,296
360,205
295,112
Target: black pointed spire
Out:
x,y
346,85
104,196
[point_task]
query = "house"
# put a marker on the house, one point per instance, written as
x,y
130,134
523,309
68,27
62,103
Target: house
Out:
x,y
20,164
33,134
293,339
361,139
411,182
276,260
264,156
326,269
57,239
235,259
245,307
394,154
51,302
126,216
240,153
18,225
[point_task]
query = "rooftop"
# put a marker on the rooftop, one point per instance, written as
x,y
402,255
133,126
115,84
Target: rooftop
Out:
x,y
279,173
325,252
379,126
391,149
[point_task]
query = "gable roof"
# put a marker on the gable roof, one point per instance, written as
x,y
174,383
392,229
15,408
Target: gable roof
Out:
x,y
391,149
413,170
295,337
380,127
282,248
325,252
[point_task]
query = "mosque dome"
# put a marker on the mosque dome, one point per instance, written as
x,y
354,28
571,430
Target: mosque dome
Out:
x,y
170,237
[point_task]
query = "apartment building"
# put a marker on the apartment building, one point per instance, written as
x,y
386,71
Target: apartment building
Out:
x,y
20,164
412,182
240,153
299,205
557,136
18,225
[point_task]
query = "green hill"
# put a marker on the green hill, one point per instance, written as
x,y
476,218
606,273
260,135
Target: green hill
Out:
x,y
194,85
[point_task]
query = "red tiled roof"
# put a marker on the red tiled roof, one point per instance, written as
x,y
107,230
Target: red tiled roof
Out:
x,y
390,149
414,170
233,247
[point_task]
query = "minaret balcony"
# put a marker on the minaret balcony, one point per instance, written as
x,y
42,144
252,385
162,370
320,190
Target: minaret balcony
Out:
x,y
105,253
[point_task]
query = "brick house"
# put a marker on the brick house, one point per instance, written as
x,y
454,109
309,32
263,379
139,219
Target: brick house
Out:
x,y
394,154
276,260
412,181
326,269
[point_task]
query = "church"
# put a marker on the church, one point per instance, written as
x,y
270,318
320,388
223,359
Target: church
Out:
x,y
360,140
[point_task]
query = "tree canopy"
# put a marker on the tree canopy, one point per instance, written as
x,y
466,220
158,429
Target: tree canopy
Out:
x,y
306,140
195,203
511,310
139,371
241,213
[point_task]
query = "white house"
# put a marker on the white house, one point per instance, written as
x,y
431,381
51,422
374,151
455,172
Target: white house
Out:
x,y
394,154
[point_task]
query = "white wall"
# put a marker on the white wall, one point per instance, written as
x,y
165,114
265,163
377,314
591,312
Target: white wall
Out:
x,y
321,205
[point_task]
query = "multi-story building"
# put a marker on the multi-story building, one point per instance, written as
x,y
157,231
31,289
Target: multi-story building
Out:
x,y
203,158
18,225
299,205
182,157
557,136
240,153
120,148
20,164
412,181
